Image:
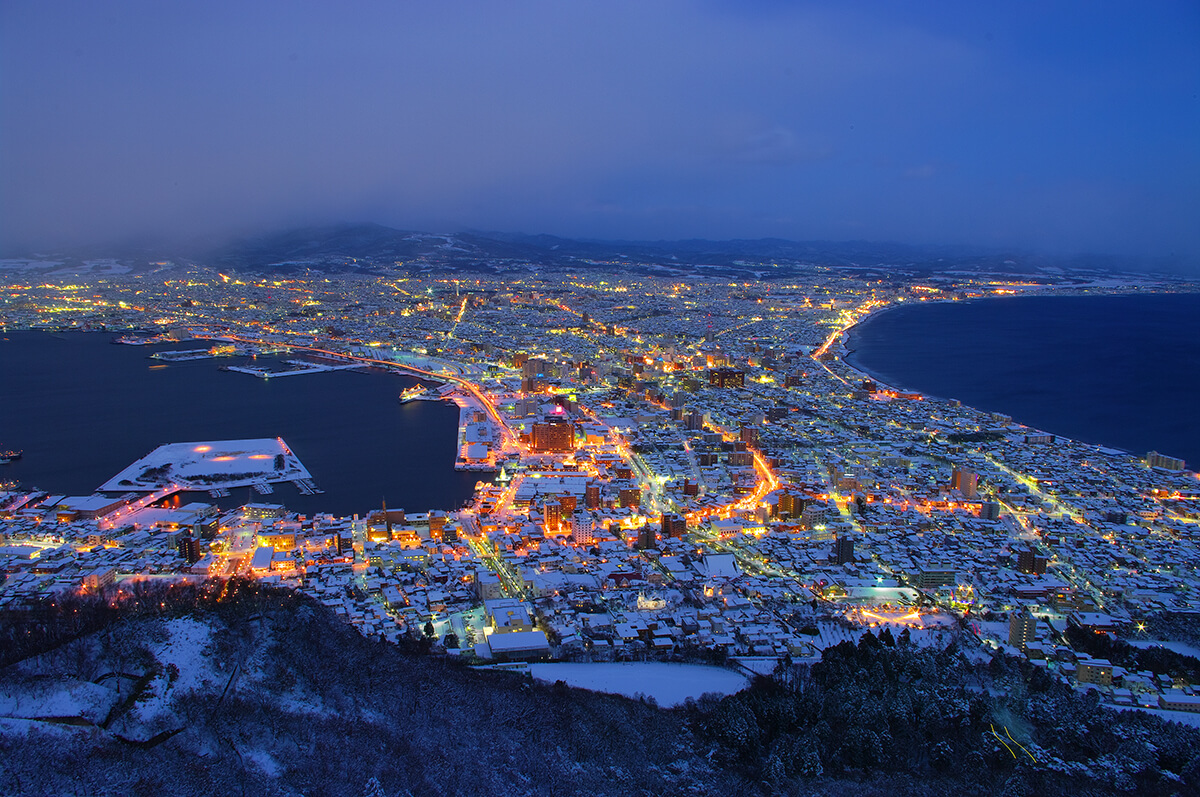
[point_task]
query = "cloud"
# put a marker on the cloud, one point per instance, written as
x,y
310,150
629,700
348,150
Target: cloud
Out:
x,y
606,119
922,172
778,145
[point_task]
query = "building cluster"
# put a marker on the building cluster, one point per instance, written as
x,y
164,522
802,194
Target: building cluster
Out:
x,y
680,467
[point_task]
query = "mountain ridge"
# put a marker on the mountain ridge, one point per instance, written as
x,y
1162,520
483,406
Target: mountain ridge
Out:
x,y
371,248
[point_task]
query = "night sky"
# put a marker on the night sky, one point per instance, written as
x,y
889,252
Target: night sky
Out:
x,y
1061,127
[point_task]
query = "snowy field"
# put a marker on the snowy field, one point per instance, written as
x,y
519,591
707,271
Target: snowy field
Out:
x,y
54,698
669,684
1182,648
1182,717
205,465
936,631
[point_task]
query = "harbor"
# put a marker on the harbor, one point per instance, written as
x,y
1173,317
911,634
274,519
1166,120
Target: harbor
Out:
x,y
357,441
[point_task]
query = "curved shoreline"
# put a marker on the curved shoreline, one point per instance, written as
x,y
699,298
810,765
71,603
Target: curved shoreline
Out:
x,y
845,353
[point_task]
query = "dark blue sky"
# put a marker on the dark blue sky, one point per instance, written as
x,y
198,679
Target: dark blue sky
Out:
x,y
1056,126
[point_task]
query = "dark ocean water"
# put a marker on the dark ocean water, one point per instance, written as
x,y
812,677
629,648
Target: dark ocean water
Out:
x,y
82,409
1121,371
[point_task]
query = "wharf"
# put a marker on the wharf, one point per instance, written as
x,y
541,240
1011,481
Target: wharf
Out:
x,y
469,432
181,356
309,368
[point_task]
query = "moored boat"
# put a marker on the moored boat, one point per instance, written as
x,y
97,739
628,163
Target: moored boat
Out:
x,y
413,392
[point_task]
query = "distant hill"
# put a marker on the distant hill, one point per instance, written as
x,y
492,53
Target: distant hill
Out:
x,y
375,249
363,247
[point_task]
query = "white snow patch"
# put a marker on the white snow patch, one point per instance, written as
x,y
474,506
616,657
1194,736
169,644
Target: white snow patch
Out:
x,y
1181,648
54,698
669,684
184,647
1182,717
263,760
763,665
208,464
18,727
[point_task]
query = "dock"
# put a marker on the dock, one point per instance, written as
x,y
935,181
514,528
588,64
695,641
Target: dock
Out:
x,y
309,368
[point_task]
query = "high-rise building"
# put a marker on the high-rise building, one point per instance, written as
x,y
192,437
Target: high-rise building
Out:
x,y
533,368
646,538
843,551
1157,460
554,436
552,512
965,481
189,549
749,436
1022,629
582,528
726,377
1029,561
591,496
629,496
989,510
792,504
934,576
673,525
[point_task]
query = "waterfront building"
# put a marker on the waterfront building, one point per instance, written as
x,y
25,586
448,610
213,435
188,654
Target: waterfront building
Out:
x,y
1157,460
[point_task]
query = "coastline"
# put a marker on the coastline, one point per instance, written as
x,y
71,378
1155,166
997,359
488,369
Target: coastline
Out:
x,y
846,350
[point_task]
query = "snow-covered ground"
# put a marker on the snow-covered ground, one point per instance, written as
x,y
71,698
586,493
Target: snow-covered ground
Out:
x,y
763,665
56,698
204,465
183,647
669,684
1181,648
1182,717
937,631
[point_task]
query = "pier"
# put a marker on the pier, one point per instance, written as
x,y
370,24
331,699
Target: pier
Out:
x,y
307,368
